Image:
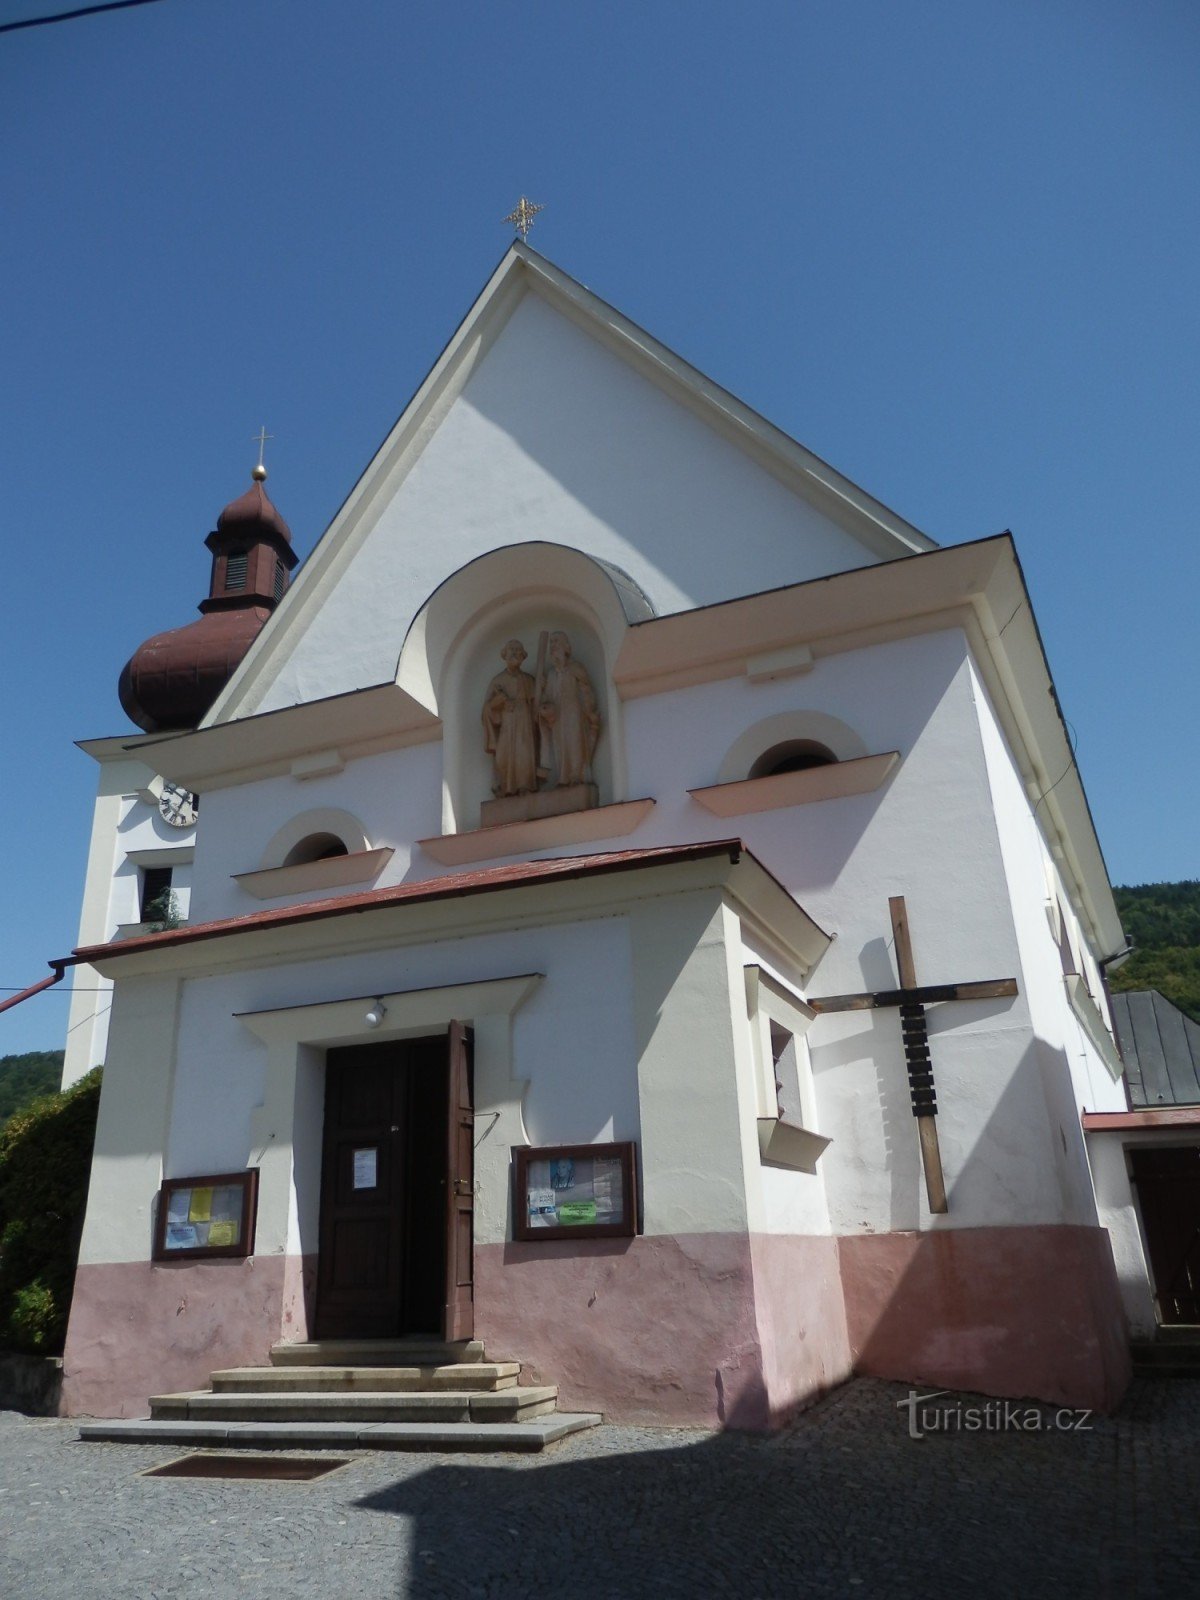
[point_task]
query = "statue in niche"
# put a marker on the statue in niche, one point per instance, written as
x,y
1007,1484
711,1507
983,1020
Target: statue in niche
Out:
x,y
541,733
569,718
510,725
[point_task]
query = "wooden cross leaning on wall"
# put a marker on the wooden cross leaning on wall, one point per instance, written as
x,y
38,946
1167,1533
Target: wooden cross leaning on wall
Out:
x,y
910,999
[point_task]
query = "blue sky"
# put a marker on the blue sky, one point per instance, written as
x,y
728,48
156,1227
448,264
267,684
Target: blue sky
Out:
x,y
951,246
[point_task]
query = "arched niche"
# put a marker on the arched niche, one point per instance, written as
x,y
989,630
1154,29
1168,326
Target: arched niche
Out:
x,y
453,647
789,730
312,835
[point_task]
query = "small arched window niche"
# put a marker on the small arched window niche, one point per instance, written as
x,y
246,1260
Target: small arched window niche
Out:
x,y
320,849
793,755
316,847
792,759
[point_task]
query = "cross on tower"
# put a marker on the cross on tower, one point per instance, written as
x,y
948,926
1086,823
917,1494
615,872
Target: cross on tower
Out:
x,y
260,439
910,999
522,214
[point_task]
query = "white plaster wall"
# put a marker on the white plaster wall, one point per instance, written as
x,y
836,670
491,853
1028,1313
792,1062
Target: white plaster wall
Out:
x,y
573,1038
782,1201
1118,1213
631,1034
555,438
1075,1076
695,1083
131,1131
1027,863
121,821
397,796
928,834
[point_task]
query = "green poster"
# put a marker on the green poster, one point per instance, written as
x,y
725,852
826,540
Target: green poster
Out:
x,y
577,1211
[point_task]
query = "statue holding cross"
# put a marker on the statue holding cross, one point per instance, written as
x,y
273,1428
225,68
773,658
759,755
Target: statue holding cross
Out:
x,y
910,999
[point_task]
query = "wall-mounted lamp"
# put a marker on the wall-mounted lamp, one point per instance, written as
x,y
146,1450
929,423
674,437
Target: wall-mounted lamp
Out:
x,y
376,1014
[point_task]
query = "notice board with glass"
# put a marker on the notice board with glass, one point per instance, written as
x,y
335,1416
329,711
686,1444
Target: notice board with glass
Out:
x,y
575,1191
205,1217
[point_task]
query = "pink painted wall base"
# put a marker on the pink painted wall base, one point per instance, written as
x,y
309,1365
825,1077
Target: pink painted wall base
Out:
x,y
1020,1312
801,1319
138,1328
702,1330
707,1330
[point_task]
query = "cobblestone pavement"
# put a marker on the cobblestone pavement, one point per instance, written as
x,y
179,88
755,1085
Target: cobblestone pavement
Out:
x,y
842,1503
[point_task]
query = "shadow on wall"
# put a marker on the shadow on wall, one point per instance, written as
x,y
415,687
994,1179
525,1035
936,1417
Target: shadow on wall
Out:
x,y
1017,1310
875,1038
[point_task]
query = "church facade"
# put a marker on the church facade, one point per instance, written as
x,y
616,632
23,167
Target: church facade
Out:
x,y
643,915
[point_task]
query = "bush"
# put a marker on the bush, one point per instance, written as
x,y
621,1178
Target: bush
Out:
x,y
45,1163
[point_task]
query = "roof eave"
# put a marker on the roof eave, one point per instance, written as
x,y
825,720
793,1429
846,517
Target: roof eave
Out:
x,y
880,530
265,936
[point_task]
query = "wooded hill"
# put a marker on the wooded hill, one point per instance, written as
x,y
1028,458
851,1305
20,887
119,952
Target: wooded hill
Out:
x,y
27,1077
1163,921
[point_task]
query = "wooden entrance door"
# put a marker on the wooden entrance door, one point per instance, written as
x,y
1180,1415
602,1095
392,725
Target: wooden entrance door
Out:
x,y
385,1173
458,1317
1168,1189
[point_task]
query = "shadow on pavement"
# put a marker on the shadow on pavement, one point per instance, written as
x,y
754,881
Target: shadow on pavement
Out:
x,y
843,1502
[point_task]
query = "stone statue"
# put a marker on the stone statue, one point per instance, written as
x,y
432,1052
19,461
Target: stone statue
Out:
x,y
570,720
510,727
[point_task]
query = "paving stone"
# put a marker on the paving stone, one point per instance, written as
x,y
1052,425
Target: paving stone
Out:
x,y
842,1502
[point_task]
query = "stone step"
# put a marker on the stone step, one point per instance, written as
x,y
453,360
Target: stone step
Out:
x,y
376,1353
481,1375
1167,1358
532,1435
506,1405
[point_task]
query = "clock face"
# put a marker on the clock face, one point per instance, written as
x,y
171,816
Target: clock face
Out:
x,y
177,806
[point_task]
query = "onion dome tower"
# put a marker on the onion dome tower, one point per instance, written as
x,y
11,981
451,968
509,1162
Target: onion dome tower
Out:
x,y
172,679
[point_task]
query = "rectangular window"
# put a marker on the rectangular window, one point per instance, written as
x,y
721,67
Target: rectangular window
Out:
x,y
235,571
155,900
279,580
1064,943
787,1074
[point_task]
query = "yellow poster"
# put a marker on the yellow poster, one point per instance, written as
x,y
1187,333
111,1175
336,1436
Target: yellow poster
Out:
x,y
200,1209
222,1233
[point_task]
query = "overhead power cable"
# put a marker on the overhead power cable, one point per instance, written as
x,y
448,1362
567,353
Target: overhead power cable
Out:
x,y
70,16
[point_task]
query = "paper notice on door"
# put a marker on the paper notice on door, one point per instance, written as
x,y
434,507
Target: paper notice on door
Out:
x,y
366,1168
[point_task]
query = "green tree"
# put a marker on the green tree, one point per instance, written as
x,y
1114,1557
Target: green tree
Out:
x,y
24,1078
1163,922
45,1164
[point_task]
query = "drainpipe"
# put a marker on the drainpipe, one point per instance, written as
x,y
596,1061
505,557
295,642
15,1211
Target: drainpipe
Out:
x,y
36,988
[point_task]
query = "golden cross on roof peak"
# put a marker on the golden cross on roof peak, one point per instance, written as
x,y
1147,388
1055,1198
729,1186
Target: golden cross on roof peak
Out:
x,y
522,214
260,439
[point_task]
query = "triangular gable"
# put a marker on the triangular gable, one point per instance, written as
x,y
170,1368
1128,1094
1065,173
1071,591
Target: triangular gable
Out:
x,y
549,415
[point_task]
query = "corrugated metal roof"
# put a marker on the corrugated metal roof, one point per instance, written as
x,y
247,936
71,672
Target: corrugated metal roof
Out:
x,y
1161,1049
